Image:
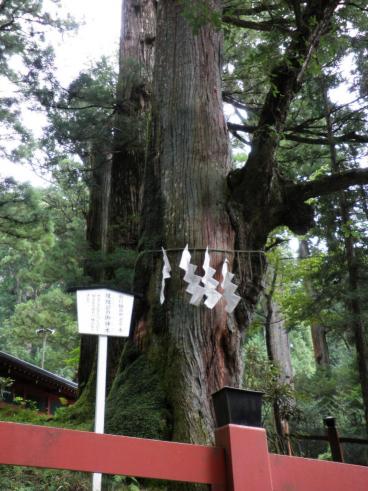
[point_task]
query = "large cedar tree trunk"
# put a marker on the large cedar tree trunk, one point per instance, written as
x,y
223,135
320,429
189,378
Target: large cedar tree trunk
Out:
x,y
180,354
136,56
195,350
116,189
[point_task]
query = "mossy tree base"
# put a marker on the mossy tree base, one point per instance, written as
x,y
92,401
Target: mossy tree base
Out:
x,y
137,405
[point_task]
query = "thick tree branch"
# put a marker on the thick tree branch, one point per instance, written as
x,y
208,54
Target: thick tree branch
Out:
x,y
297,13
267,25
350,137
228,98
249,11
244,128
321,139
286,81
328,184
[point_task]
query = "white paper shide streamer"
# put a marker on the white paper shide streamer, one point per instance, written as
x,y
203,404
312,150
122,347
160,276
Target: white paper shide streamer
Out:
x,y
193,280
210,284
204,287
166,269
229,288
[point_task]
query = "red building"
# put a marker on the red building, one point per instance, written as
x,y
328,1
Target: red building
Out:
x,y
35,384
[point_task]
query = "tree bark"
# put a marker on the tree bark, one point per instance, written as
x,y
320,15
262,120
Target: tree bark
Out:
x,y
136,56
185,202
190,352
138,28
278,346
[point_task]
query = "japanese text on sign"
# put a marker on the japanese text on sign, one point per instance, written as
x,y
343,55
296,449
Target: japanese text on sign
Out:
x,y
104,312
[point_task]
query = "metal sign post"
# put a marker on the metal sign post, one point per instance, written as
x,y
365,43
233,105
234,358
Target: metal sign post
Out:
x,y
103,312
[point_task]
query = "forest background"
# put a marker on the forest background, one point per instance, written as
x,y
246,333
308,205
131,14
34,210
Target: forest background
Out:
x,y
305,345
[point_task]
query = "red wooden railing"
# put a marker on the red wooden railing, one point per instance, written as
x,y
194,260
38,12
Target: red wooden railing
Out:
x,y
239,462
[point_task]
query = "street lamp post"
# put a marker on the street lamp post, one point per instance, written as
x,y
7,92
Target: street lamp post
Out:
x,y
44,331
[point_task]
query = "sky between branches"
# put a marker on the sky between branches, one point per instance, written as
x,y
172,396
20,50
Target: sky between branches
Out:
x,y
97,35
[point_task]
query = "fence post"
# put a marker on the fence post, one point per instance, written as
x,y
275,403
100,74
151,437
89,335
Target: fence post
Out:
x,y
247,459
245,443
333,439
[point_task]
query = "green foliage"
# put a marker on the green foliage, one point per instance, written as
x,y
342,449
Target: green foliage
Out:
x,y
122,483
29,479
80,122
26,64
263,375
53,309
20,413
199,13
5,383
25,403
42,247
79,415
333,393
21,213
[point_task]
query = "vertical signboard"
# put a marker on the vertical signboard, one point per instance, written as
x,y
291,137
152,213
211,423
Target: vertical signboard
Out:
x,y
103,312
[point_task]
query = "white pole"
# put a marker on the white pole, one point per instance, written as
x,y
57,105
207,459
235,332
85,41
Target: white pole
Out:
x,y
100,399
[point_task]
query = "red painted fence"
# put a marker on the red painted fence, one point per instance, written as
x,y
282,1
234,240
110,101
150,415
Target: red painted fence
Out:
x,y
239,462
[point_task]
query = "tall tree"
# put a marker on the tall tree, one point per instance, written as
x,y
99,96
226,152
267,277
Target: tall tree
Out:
x,y
278,351
318,331
191,194
115,204
81,124
353,302
136,55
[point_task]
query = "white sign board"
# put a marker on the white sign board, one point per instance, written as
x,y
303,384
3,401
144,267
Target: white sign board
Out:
x,y
104,312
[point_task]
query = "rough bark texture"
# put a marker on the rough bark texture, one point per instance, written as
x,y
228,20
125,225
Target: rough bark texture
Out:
x,y
318,331
185,202
97,221
278,346
131,119
136,55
